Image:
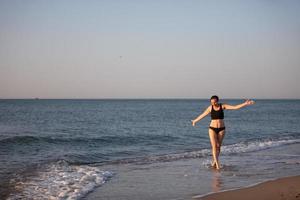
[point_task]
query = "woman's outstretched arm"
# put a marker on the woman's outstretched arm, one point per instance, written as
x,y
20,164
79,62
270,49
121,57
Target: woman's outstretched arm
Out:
x,y
206,112
236,107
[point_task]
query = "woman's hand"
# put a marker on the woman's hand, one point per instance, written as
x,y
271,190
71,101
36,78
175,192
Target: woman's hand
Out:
x,y
193,122
249,102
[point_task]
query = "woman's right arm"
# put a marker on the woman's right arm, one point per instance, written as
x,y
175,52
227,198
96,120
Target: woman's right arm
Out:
x,y
206,112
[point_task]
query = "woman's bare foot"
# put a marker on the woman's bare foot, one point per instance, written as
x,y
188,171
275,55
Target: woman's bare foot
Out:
x,y
213,164
217,165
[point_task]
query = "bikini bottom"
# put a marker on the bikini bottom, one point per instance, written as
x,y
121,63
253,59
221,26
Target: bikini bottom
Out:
x,y
217,130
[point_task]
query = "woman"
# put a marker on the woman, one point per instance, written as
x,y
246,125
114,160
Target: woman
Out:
x,y
216,129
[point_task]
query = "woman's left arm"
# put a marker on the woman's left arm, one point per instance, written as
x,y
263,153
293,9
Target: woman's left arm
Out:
x,y
236,107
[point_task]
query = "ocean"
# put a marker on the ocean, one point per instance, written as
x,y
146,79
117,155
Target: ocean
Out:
x,y
140,148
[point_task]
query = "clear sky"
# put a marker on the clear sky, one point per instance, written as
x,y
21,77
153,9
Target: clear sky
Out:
x,y
149,49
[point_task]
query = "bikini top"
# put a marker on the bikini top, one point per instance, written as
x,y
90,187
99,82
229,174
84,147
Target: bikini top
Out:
x,y
217,114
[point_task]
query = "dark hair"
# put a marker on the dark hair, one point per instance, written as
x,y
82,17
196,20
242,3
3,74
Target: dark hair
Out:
x,y
214,97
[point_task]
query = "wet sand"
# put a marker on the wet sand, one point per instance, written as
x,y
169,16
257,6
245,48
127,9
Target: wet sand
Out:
x,y
287,188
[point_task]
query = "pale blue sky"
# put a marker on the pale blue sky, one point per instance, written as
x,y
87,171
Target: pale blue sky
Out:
x,y
149,49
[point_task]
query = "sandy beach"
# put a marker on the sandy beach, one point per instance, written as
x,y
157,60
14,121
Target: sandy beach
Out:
x,y
287,188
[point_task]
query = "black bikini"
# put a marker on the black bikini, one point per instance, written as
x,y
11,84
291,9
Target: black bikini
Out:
x,y
217,114
217,130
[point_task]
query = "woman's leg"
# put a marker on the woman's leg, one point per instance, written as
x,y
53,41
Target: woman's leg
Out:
x,y
213,140
220,138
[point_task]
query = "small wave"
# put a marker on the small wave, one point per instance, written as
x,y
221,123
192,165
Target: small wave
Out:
x,y
256,145
19,139
29,139
104,140
59,181
241,147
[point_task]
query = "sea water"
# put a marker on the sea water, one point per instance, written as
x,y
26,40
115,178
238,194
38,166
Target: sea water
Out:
x,y
140,148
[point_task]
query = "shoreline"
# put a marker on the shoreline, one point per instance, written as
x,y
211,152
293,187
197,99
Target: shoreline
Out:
x,y
286,188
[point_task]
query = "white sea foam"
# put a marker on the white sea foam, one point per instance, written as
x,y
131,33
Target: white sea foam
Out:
x,y
241,147
256,145
60,181
63,181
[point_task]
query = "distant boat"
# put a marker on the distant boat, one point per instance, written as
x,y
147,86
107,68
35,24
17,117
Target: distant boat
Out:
x,y
36,98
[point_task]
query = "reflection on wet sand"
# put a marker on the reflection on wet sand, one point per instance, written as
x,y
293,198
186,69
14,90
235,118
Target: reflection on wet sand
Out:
x,y
216,181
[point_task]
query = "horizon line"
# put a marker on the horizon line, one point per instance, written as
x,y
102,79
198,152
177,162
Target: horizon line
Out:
x,y
147,98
